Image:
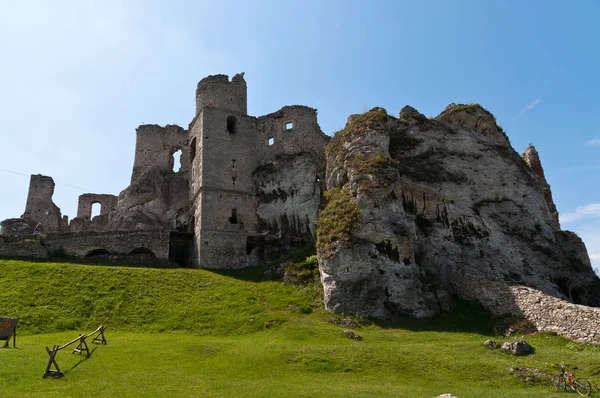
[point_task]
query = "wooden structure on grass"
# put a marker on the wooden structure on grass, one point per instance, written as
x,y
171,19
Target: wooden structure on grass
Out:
x,y
8,329
80,349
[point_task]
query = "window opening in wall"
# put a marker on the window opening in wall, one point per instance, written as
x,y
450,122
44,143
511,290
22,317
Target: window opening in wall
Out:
x,y
271,141
233,219
233,163
233,180
318,179
232,124
96,209
193,150
177,161
289,126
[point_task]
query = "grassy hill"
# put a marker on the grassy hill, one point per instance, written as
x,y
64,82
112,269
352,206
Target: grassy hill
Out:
x,y
188,333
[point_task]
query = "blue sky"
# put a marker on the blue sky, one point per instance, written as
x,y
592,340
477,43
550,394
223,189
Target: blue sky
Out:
x,y
77,78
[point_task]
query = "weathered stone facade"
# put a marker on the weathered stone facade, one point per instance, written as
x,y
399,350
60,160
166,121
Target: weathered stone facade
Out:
x,y
247,191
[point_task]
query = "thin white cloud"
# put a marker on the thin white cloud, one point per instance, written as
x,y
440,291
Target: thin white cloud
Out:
x,y
528,107
593,142
595,256
592,210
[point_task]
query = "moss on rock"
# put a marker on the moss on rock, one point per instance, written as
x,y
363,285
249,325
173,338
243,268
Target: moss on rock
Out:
x,y
337,219
357,125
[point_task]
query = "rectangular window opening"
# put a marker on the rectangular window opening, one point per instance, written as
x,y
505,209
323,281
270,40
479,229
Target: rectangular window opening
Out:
x,y
289,126
271,141
233,219
233,180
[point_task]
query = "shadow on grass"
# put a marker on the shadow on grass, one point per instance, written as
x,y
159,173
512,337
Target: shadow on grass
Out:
x,y
466,317
83,359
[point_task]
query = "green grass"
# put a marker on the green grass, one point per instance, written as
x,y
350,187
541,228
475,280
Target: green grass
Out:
x,y
214,342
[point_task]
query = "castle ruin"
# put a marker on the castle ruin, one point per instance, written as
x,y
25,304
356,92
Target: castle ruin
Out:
x,y
247,191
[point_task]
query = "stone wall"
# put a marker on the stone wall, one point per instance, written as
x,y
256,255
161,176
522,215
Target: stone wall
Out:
x,y
547,313
22,246
155,146
39,204
82,244
107,203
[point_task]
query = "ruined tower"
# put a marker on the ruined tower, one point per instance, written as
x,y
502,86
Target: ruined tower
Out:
x,y
222,155
40,206
254,184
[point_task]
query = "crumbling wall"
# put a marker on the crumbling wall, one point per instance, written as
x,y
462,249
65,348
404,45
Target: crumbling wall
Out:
x,y
293,130
107,203
82,244
158,196
22,247
40,207
155,146
218,92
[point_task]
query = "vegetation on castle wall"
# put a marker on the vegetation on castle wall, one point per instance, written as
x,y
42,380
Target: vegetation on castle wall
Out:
x,y
339,216
376,118
368,164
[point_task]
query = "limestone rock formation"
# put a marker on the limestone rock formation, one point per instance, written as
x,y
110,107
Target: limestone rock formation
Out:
x,y
415,206
155,198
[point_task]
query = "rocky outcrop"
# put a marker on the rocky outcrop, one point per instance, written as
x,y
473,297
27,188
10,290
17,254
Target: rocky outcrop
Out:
x,y
415,205
532,158
156,199
288,195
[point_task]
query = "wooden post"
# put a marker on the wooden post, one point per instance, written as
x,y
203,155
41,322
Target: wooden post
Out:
x,y
100,336
52,361
82,346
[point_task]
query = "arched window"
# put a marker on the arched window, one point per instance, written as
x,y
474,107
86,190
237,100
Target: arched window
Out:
x,y
96,210
193,150
232,125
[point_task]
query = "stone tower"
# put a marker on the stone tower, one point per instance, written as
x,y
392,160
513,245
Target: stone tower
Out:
x,y
40,206
222,155
254,181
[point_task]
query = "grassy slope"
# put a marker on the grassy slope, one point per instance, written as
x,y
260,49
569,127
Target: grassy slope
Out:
x,y
218,345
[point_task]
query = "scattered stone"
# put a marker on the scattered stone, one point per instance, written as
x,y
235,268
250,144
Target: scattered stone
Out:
x,y
518,347
529,375
293,308
351,335
490,344
348,323
334,320
448,395
270,324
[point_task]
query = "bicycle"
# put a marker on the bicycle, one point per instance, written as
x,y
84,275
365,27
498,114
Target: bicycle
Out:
x,y
560,381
